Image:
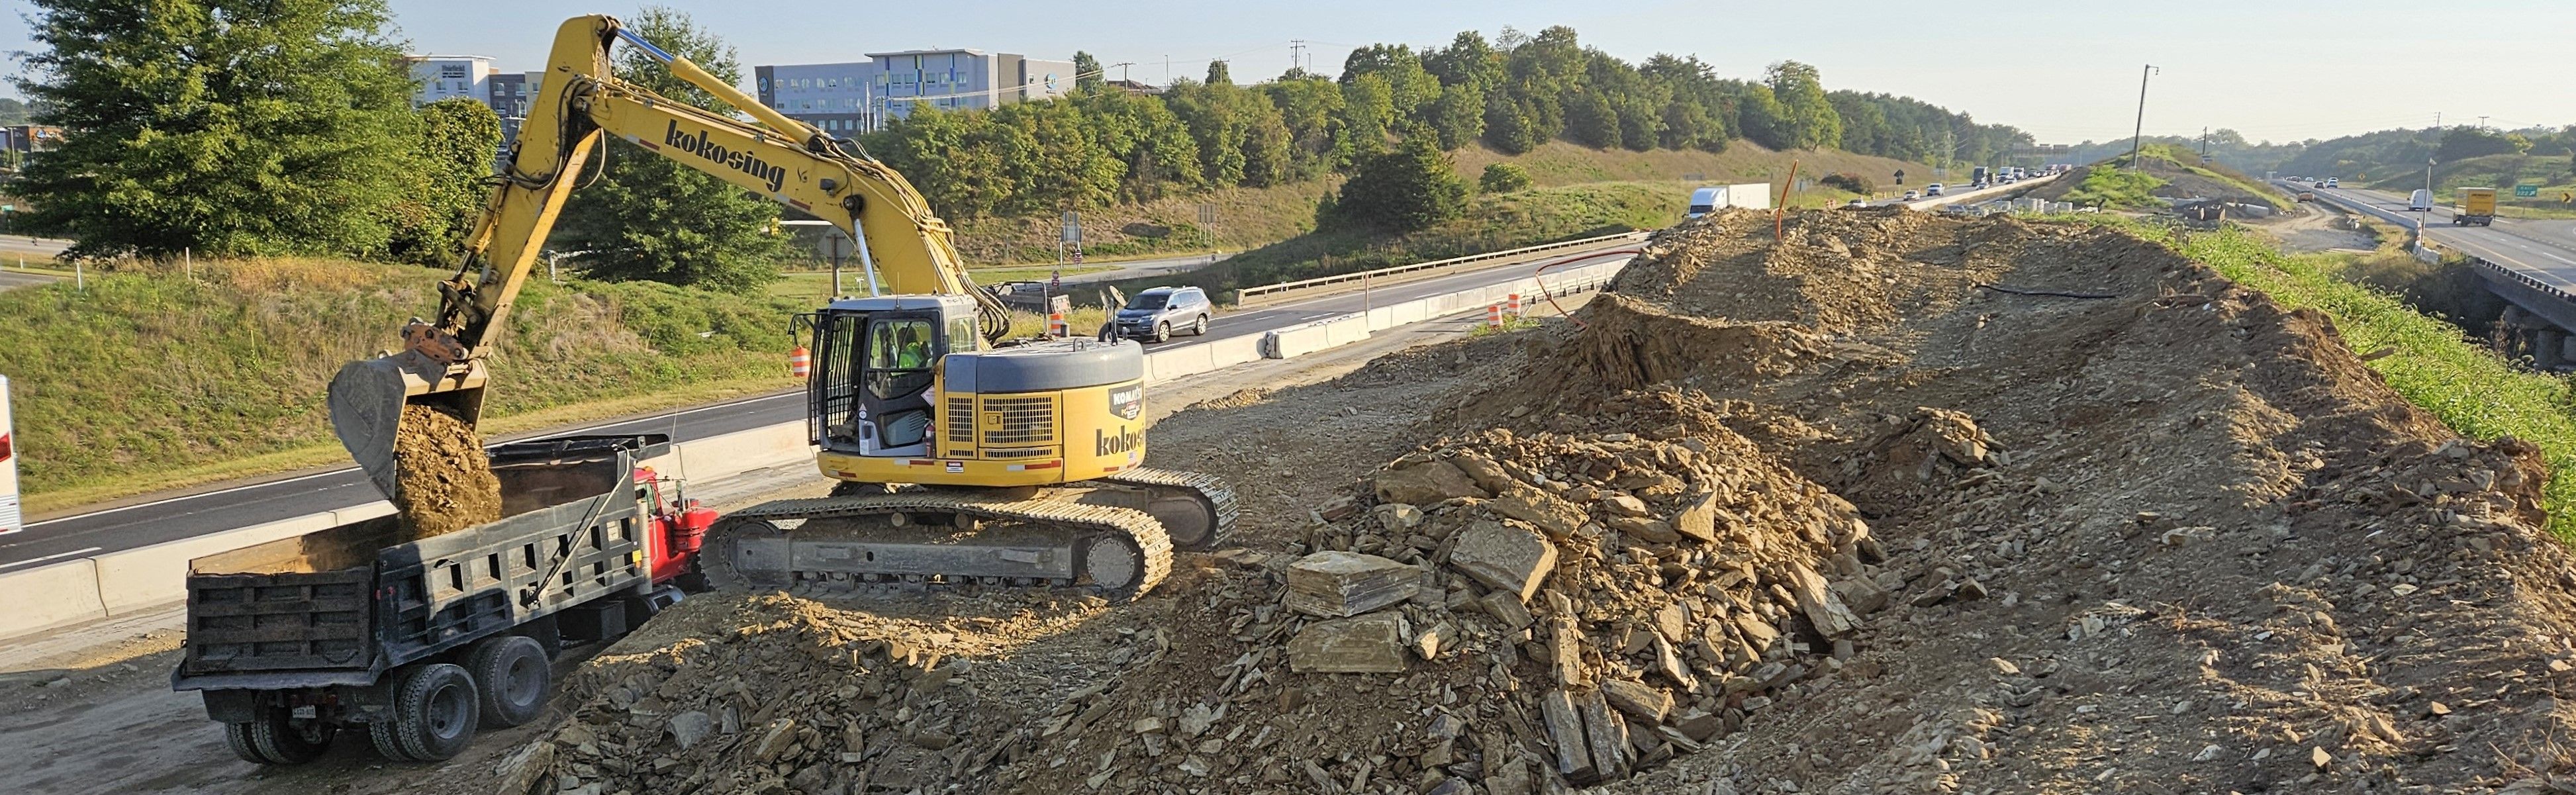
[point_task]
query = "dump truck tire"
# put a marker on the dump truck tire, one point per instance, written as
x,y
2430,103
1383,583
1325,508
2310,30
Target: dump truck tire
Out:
x,y
513,675
435,710
273,740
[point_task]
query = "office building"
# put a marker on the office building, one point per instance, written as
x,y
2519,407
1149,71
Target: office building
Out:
x,y
849,98
437,77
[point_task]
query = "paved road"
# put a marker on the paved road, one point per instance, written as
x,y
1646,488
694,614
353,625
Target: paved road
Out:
x,y
22,244
180,517
2544,249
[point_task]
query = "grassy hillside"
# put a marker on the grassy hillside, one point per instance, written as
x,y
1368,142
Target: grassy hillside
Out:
x,y
1250,218
149,379
1492,222
2429,361
2168,172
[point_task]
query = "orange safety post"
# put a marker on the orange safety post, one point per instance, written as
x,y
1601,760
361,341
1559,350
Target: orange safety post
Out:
x,y
1781,208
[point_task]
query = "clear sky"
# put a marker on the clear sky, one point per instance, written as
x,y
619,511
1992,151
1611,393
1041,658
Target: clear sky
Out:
x,y
2068,71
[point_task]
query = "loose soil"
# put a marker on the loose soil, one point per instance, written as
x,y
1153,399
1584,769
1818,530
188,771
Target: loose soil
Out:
x,y
1988,506
444,480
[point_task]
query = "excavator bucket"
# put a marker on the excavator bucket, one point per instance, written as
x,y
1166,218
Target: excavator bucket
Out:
x,y
368,396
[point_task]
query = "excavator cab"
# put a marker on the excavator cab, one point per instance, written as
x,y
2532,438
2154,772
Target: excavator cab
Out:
x,y
875,371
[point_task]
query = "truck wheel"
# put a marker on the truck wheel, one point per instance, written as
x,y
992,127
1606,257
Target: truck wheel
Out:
x,y
511,671
274,739
435,709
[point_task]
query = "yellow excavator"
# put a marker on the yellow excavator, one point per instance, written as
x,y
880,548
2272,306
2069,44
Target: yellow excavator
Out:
x,y
963,456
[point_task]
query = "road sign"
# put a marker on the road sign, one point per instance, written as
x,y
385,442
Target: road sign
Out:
x,y
2526,190
1072,228
11,520
1207,214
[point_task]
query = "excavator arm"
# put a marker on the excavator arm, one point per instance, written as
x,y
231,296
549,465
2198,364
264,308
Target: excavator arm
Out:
x,y
903,246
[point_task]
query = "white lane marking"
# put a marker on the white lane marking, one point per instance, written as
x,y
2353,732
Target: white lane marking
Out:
x,y
51,557
301,478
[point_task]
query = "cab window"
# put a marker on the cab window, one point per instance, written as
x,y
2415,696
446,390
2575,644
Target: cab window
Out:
x,y
900,344
961,335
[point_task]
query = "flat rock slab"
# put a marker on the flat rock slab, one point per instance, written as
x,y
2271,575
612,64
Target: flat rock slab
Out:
x,y
1337,584
1372,643
1503,557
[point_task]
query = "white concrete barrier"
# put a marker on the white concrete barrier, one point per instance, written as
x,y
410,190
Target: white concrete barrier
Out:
x,y
739,452
133,579
1233,351
1170,363
53,596
1295,341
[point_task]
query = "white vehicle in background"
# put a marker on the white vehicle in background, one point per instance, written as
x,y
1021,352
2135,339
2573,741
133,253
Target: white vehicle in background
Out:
x,y
2334,182
1933,189
2420,201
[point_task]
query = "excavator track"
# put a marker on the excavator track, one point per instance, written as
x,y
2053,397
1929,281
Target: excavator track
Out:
x,y
947,539
1213,500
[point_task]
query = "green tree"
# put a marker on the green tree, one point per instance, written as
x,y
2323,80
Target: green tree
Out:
x,y
2461,143
1459,115
1218,74
459,139
1503,178
223,127
1311,107
1591,121
1087,75
1406,189
1807,119
1369,114
651,218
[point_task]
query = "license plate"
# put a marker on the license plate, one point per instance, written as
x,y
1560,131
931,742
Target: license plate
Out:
x,y
308,711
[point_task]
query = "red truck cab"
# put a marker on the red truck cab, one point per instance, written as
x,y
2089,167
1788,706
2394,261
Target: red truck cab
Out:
x,y
679,532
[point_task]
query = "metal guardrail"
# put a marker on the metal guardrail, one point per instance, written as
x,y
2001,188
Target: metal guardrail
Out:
x,y
1274,291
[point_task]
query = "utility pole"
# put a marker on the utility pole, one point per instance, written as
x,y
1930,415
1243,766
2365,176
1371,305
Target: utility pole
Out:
x,y
2482,122
2204,144
1296,54
2139,134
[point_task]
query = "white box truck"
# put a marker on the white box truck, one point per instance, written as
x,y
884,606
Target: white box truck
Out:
x,y
2420,201
1750,196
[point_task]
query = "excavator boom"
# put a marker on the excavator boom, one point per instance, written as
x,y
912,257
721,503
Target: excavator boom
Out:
x,y
905,248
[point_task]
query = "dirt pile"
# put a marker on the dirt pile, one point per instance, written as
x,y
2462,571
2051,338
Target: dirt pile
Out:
x,y
1903,504
775,694
444,482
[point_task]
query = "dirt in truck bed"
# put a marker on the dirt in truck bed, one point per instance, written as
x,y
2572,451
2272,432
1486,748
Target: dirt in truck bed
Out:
x,y
445,481
1899,503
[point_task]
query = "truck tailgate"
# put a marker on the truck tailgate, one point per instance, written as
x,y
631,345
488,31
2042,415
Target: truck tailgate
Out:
x,y
240,623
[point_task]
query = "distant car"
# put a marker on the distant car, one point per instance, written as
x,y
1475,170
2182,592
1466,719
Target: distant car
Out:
x,y
2307,196
1933,189
1912,195
1858,203
2334,182
2419,201
1154,314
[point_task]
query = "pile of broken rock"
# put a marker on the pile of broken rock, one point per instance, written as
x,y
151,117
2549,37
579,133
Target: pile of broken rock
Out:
x,y
1653,591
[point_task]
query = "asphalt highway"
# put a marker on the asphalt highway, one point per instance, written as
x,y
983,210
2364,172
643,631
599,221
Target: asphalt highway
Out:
x,y
2543,249
186,515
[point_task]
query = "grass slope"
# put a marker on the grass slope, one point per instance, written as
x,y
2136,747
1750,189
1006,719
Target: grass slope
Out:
x,y
1250,218
1492,222
2472,388
149,379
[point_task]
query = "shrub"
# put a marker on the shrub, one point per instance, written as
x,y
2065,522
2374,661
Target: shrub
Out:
x,y
1503,178
1855,183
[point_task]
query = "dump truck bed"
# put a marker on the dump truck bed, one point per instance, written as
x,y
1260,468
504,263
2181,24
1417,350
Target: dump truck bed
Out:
x,y
341,605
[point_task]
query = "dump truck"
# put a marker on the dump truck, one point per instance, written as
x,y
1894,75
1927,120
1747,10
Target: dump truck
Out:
x,y
2473,206
417,642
